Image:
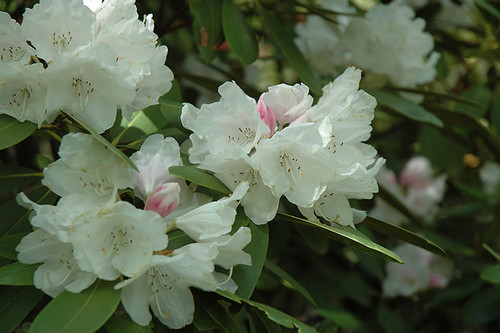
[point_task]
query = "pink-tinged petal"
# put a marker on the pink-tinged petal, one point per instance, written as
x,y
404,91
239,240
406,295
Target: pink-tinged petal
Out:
x,y
266,115
438,281
164,199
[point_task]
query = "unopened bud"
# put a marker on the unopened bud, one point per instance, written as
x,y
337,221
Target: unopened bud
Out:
x,y
164,199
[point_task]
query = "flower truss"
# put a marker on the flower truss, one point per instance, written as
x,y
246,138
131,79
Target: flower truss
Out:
x,y
387,41
283,145
420,271
86,58
92,234
417,188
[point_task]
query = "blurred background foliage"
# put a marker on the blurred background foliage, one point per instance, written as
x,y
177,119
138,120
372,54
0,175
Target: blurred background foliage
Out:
x,y
319,281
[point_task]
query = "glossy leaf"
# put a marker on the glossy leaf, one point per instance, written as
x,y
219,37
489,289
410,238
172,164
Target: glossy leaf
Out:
x,y
274,314
8,245
171,110
121,323
199,177
289,49
17,274
347,236
79,313
240,38
206,26
491,274
405,107
12,177
15,304
12,131
289,279
402,234
102,140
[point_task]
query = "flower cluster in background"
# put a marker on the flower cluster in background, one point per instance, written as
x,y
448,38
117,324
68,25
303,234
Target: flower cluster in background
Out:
x,y
285,146
86,62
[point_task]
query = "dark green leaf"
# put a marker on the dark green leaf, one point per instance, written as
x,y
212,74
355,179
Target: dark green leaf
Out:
x,y
171,110
79,313
391,322
492,252
495,115
177,239
456,291
491,274
17,274
288,279
44,161
289,49
347,236
12,177
143,123
482,308
12,131
405,107
102,140
263,323
479,94
341,317
402,234
8,245
315,241
15,304
206,26
489,7
199,177
240,38
246,277
121,323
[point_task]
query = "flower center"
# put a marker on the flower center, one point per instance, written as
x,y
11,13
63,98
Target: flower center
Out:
x,y
62,41
83,90
19,99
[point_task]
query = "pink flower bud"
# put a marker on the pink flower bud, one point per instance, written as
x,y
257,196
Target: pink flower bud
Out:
x,y
266,115
164,199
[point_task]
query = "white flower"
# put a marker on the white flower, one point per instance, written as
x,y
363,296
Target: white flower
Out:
x,y
490,176
288,102
13,46
293,163
420,271
86,166
230,248
234,120
213,219
58,26
156,155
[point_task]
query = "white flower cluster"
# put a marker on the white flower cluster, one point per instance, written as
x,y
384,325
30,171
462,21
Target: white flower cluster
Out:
x,y
92,234
86,62
283,145
417,188
387,41
421,270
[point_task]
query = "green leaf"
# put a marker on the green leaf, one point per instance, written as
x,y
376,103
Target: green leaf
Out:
x,y
495,114
12,131
15,304
206,26
17,274
12,177
405,107
171,110
102,140
143,123
492,252
121,323
391,322
479,94
348,236
15,217
246,277
177,239
402,234
240,38
315,241
491,274
8,245
483,307
289,279
489,7
79,313
341,317
456,291
274,314
44,161
199,177
289,49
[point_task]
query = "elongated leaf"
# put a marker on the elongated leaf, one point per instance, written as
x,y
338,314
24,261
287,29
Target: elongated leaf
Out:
x,y
489,7
143,123
171,110
12,131
402,234
15,304
79,313
395,202
341,317
392,322
206,26
8,245
44,161
12,177
492,252
274,314
347,236
246,277
102,140
121,323
240,38
17,274
289,279
481,95
199,177
405,107
491,274
289,49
